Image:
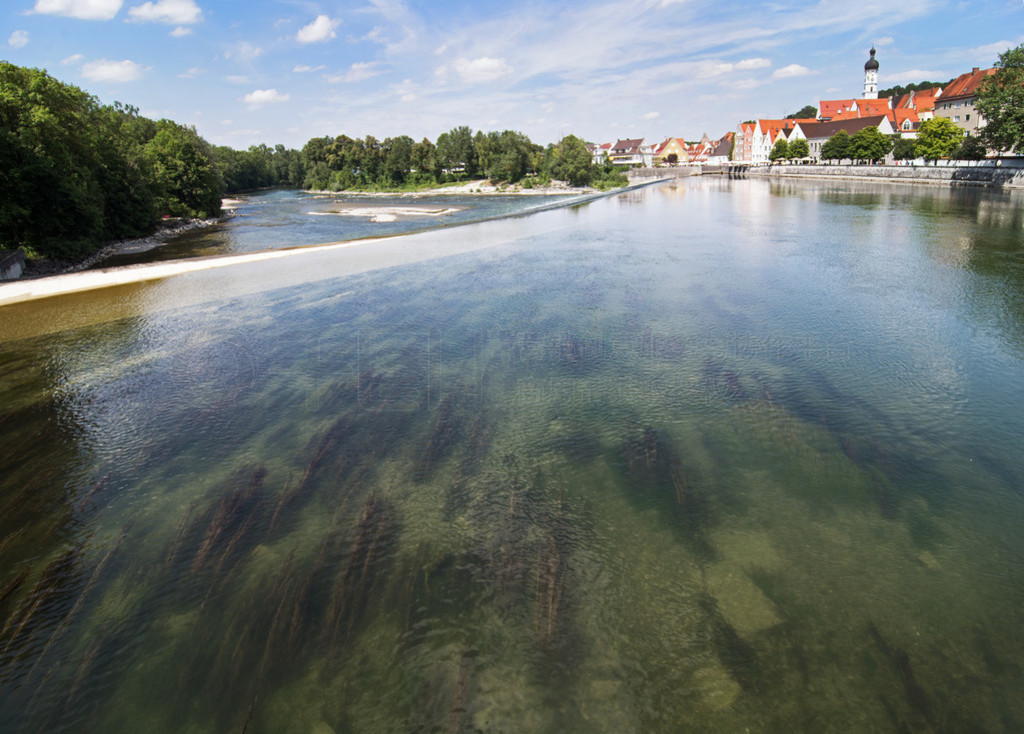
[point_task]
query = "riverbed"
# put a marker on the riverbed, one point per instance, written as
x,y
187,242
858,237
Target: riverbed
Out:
x,y
706,456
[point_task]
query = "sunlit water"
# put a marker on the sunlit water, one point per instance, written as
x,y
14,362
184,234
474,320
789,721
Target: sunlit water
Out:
x,y
285,218
719,457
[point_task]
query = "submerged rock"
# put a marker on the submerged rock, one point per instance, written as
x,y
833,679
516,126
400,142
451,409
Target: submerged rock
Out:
x,y
742,603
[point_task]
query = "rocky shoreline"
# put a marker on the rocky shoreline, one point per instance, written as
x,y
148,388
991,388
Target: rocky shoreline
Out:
x,y
166,230
481,186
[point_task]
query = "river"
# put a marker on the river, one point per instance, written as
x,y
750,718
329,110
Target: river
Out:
x,y
713,456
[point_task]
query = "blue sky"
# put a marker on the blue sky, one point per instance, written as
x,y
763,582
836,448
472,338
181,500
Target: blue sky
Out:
x,y
283,71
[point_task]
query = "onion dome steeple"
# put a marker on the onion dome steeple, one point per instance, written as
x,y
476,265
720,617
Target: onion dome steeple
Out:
x,y
872,64
871,77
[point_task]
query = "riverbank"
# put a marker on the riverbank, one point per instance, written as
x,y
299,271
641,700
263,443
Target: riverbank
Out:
x,y
992,174
166,230
482,186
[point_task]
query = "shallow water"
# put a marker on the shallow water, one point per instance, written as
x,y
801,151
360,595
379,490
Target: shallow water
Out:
x,y
288,218
719,456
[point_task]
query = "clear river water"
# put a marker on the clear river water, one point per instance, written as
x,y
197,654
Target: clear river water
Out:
x,y
714,456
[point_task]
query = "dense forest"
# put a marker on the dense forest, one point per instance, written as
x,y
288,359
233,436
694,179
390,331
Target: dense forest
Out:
x,y
899,90
78,173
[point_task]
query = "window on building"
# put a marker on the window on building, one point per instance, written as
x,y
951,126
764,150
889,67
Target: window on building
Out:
x,y
956,118
967,117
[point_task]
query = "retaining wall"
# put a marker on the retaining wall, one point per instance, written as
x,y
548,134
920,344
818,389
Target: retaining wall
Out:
x,y
1003,174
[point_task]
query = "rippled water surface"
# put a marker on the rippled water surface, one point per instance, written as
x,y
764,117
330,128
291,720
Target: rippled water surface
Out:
x,y
720,457
286,218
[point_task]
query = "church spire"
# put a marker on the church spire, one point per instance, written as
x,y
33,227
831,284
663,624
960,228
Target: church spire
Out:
x,y
871,76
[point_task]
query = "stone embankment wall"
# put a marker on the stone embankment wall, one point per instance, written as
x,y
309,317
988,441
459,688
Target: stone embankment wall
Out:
x,y
636,174
1007,174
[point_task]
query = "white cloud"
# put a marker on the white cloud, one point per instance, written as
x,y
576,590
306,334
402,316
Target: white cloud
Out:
x,y
743,85
72,59
358,72
181,31
18,39
991,50
302,68
886,41
103,70
174,12
260,97
237,79
243,51
484,69
320,30
84,9
191,73
757,63
791,70
652,116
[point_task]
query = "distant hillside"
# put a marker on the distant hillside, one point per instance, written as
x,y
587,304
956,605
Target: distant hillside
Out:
x,y
899,91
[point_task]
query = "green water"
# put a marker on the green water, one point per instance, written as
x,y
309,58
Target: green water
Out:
x,y
718,457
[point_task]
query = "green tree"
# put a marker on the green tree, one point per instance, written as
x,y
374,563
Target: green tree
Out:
x,y
868,144
804,113
456,153
798,148
1000,100
572,162
780,150
398,164
971,149
937,138
424,161
903,149
837,147
186,178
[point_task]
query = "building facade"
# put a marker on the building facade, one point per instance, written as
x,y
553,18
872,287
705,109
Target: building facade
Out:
x,y
957,100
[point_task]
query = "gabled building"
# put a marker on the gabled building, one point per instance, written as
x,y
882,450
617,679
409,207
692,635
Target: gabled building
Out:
x,y
830,108
921,101
720,150
903,121
744,150
664,151
817,133
632,152
767,132
599,153
957,100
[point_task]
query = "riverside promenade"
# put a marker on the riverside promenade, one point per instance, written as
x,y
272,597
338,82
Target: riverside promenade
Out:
x,y
1005,173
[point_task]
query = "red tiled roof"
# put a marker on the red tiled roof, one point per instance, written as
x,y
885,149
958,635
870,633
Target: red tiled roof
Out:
x,y
898,116
832,107
873,106
628,147
966,85
767,126
828,129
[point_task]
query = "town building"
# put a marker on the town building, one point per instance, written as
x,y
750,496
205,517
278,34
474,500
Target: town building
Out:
x,y
957,100
672,151
632,152
817,133
744,150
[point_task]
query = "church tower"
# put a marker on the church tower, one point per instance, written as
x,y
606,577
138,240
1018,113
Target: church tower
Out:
x,y
871,77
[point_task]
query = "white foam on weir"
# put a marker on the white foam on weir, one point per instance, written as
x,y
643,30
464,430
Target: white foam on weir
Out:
x,y
388,251
27,290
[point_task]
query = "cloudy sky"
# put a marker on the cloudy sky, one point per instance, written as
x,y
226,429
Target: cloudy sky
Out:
x,y
283,71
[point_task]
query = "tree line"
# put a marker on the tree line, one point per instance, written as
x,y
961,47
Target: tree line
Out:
x,y
77,173
344,164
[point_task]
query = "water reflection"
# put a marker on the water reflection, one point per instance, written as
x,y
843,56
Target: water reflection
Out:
x,y
723,460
